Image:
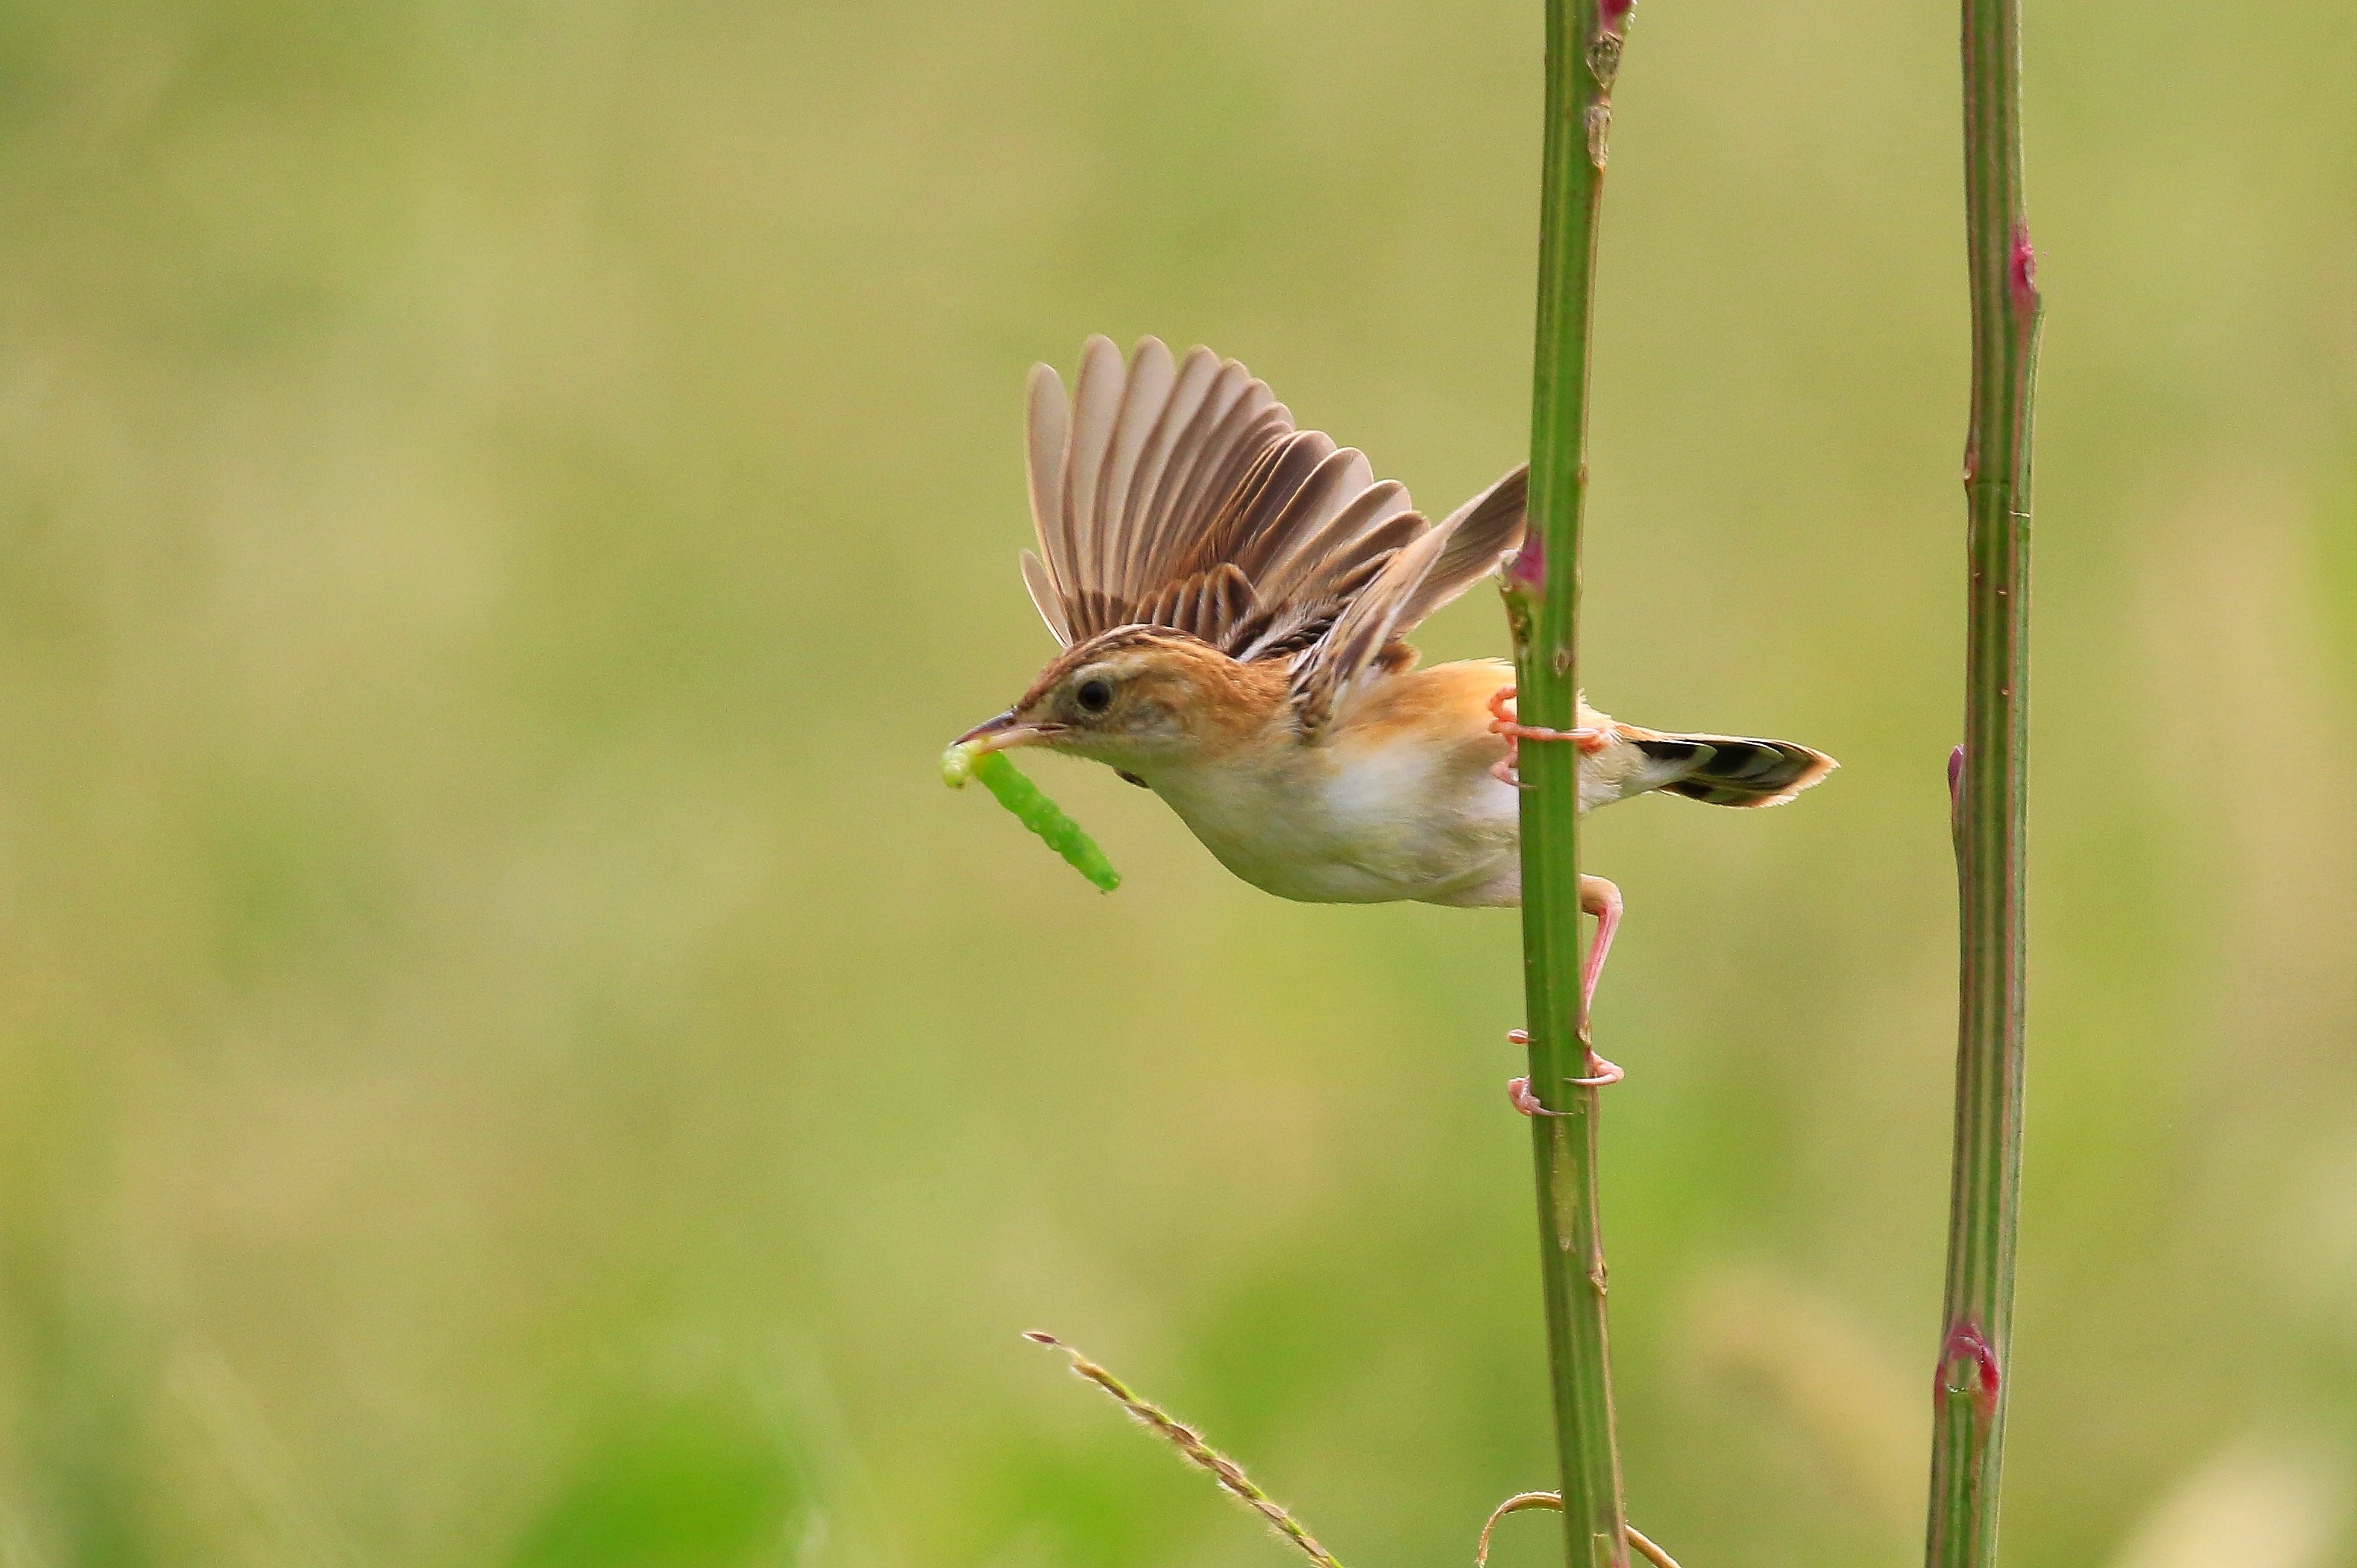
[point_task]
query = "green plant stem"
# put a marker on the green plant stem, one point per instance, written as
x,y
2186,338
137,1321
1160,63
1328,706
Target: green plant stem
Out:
x,y
1990,799
1583,38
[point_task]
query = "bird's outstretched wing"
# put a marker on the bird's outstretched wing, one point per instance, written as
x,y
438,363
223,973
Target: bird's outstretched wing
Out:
x,y
1177,493
1418,578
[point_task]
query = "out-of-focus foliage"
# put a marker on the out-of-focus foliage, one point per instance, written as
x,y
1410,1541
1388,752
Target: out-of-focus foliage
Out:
x,y
508,1055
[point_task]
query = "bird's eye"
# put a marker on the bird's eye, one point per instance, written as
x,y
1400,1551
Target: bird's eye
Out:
x,y
1096,694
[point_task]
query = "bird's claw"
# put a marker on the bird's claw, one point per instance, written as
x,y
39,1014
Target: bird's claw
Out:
x,y
1518,1095
1504,723
1518,1091
1502,771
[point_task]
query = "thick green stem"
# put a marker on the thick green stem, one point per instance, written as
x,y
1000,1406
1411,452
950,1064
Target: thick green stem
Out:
x,y
1584,39
1990,785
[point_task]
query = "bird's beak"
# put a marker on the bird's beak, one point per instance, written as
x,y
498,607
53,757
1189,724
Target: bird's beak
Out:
x,y
1003,731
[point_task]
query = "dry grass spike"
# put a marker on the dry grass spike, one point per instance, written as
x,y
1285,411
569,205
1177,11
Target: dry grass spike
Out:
x,y
1189,1442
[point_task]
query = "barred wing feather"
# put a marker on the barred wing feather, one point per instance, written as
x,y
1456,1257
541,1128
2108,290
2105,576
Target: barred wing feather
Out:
x,y
1177,493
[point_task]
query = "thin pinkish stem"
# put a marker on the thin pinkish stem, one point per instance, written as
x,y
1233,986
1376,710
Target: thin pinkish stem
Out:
x,y
1521,1500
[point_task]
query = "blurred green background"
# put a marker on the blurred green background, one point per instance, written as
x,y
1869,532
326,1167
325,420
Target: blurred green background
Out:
x,y
512,1057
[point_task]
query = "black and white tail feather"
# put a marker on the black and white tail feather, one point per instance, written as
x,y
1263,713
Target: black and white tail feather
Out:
x,y
1729,770
1178,494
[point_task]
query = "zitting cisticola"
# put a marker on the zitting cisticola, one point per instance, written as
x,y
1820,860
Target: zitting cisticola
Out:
x,y
1232,593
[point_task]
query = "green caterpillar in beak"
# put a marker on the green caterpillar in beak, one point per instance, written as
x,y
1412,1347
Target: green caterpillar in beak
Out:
x,y
1032,808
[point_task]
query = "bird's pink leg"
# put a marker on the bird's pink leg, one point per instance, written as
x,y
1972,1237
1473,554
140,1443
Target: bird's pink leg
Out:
x,y
1601,899
1504,723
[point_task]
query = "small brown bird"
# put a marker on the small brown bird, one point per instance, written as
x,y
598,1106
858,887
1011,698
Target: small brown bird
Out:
x,y
1231,594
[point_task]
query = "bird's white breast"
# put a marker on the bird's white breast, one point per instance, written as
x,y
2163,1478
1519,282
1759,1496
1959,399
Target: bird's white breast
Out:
x,y
1352,824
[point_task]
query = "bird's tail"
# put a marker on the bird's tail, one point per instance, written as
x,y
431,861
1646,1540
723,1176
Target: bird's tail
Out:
x,y
1732,770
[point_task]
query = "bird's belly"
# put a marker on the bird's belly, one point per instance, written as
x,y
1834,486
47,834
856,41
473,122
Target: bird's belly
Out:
x,y
1357,830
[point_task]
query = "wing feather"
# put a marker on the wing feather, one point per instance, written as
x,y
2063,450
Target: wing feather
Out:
x,y
1041,586
1259,508
1205,606
1481,532
1178,492
1252,428
1048,422
1419,577
1143,396
1327,490
1232,399
1358,530
1142,522
1096,404
1327,677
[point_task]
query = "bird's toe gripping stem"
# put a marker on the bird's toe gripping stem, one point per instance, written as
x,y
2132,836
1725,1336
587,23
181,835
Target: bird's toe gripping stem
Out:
x,y
1601,899
1502,722
1518,1089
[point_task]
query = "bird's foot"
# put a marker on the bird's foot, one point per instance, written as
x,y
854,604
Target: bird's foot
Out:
x,y
1504,723
1601,899
1518,1091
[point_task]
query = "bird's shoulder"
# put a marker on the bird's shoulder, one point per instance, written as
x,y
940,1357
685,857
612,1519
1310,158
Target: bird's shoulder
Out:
x,y
1446,705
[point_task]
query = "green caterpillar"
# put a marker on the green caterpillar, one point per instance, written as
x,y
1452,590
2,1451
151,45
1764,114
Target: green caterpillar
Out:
x,y
1032,808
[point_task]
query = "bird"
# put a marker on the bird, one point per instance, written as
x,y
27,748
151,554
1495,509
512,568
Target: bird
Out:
x,y
1231,596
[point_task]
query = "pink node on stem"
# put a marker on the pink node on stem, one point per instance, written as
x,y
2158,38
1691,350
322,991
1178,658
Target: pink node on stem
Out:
x,y
1966,1343
1527,567
2024,272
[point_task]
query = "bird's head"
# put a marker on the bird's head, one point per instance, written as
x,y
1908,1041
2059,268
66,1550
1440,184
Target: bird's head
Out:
x,y
1139,699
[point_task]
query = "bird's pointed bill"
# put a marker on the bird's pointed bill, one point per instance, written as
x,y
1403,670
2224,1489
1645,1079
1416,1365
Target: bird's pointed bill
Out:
x,y
1005,730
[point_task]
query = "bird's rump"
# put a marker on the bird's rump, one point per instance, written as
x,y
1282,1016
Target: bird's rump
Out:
x,y
1178,494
